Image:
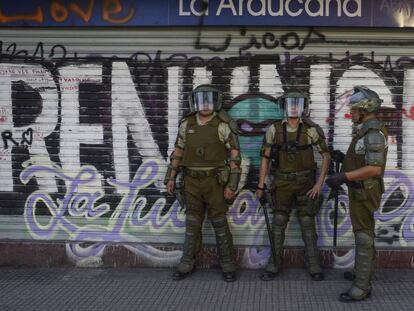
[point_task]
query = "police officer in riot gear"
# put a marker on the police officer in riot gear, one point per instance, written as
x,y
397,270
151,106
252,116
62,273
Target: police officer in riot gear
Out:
x,y
289,145
208,153
363,172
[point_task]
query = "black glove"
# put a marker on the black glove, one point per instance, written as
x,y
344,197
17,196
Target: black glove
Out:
x,y
262,201
338,156
336,180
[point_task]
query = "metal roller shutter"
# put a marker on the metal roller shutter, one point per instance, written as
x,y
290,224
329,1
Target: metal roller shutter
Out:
x,y
89,117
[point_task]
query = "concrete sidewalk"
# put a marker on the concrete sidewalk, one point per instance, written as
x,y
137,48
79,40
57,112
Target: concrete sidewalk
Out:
x,y
153,289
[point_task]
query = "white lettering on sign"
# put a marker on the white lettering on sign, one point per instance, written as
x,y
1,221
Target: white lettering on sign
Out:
x,y
288,8
193,8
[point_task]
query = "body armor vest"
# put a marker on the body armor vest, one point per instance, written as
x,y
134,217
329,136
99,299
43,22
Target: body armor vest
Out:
x,y
354,161
292,149
203,147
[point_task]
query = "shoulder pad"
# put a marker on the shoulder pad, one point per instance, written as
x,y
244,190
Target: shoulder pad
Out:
x,y
186,117
373,124
308,122
278,125
224,117
375,140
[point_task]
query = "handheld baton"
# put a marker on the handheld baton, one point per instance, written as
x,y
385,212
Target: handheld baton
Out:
x,y
263,200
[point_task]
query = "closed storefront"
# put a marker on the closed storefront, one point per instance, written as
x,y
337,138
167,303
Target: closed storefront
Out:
x,y
92,92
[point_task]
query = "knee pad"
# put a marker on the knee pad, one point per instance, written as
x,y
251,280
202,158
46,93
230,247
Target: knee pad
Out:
x,y
219,222
363,239
308,206
307,221
280,219
193,221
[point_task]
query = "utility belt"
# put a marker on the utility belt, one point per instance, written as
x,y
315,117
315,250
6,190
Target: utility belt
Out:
x,y
360,184
292,148
361,190
355,184
295,175
200,173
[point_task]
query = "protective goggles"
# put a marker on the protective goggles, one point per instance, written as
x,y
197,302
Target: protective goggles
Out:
x,y
294,106
205,100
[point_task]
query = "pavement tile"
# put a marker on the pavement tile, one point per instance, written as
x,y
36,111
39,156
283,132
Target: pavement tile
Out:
x,y
152,289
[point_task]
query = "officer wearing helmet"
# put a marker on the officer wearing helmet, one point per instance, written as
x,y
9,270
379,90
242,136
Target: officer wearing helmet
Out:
x,y
289,145
363,172
207,152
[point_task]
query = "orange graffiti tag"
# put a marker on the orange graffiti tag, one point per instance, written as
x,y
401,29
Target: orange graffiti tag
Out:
x,y
112,7
85,15
36,17
58,11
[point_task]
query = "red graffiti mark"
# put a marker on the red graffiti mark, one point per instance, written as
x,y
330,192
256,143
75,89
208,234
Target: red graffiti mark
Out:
x,y
37,133
346,116
342,102
3,119
393,140
409,114
111,7
4,154
36,17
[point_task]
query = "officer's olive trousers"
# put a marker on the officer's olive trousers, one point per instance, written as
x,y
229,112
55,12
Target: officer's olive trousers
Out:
x,y
289,193
206,194
362,205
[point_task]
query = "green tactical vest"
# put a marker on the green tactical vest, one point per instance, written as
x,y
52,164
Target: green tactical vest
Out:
x,y
294,154
203,147
355,161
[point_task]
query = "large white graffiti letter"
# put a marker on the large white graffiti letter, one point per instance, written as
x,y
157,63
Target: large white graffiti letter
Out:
x,y
128,113
28,114
73,132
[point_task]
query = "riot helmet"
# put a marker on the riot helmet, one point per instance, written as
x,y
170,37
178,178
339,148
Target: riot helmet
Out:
x,y
295,104
206,97
365,99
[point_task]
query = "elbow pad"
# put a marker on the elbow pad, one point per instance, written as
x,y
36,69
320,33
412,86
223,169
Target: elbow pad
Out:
x,y
236,160
263,149
375,148
168,174
234,178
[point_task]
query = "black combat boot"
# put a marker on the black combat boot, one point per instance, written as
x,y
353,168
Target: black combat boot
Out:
x,y
310,238
364,266
280,221
190,247
225,248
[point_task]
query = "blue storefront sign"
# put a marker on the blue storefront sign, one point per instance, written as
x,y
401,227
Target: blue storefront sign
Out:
x,y
329,13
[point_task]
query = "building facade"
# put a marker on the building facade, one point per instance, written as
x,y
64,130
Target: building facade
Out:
x,y
92,93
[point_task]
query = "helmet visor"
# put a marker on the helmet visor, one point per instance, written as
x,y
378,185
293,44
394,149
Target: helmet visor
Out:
x,y
294,106
356,98
205,100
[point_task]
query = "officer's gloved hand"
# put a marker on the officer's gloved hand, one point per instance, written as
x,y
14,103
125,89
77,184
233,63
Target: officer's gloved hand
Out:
x,y
336,180
338,156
